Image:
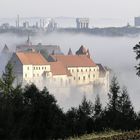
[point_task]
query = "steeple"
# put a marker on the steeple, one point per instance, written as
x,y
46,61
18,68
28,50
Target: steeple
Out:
x,y
70,52
53,52
28,40
5,49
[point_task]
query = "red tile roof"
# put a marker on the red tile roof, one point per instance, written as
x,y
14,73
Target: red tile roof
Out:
x,y
57,68
74,60
31,58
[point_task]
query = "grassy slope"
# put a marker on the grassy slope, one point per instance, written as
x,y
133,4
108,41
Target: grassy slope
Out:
x,y
110,136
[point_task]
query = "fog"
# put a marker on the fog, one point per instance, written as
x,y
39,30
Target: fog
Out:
x,y
70,8
114,52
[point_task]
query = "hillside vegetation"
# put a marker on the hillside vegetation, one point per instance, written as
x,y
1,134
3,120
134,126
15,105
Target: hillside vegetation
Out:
x,y
132,135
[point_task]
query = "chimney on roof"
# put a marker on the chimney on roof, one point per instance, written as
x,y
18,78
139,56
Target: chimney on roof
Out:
x,y
88,53
70,52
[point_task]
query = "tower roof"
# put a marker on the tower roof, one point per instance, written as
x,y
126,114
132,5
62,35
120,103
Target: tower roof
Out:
x,y
82,51
70,52
5,49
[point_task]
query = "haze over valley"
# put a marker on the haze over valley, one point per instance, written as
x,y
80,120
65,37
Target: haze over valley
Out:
x,y
114,52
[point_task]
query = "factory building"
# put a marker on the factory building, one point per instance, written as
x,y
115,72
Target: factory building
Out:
x,y
137,21
82,23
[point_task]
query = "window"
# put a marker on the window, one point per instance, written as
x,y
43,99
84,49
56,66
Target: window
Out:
x,y
74,78
61,81
33,75
77,70
89,69
36,68
93,75
79,78
25,75
84,78
88,76
81,70
72,70
86,70
39,68
27,68
38,75
42,68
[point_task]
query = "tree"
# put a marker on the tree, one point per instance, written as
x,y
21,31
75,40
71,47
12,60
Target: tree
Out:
x,y
85,112
136,49
86,107
111,114
114,95
97,107
71,122
125,104
42,116
97,114
127,110
6,82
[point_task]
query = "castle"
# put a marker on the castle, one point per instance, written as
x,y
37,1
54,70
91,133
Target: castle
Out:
x,y
59,70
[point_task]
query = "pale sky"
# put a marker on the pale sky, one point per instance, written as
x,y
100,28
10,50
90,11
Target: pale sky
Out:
x,y
70,8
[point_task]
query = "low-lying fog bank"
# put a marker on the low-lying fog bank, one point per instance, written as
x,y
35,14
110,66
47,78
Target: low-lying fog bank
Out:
x,y
116,53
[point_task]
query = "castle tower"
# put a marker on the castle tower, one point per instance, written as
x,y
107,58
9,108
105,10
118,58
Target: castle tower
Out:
x,y
82,51
29,43
5,49
70,52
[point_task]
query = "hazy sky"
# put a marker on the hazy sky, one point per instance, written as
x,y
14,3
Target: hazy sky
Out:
x,y
70,8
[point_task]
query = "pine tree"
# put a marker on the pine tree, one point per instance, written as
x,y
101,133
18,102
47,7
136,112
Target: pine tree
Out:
x,y
111,113
85,111
97,126
114,95
6,82
128,116
97,107
136,49
86,107
126,107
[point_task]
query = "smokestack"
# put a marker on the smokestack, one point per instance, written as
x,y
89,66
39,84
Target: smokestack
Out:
x,y
40,23
18,21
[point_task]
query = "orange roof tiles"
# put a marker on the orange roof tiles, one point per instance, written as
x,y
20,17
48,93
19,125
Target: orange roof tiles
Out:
x,y
57,68
74,60
31,58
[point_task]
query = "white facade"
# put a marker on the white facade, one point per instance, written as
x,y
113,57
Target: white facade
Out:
x,y
84,75
43,74
29,73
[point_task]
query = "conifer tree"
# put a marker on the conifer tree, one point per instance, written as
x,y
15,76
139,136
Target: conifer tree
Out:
x,y
97,107
114,95
86,106
128,116
136,49
126,107
6,82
